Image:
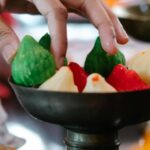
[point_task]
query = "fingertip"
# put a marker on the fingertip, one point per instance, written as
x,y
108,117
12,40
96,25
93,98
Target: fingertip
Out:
x,y
59,52
112,51
122,36
123,40
60,63
110,46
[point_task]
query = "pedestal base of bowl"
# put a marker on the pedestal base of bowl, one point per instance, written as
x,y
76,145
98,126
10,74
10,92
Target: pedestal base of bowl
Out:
x,y
92,141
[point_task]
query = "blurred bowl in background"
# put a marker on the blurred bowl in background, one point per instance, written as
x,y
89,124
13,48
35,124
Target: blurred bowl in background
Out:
x,y
136,20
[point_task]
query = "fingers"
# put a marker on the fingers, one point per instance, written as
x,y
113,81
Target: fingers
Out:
x,y
56,15
8,42
100,18
121,34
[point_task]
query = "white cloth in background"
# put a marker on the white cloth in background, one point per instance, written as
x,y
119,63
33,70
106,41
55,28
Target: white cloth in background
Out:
x,y
7,138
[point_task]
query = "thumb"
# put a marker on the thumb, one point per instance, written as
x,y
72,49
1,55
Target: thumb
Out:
x,y
8,42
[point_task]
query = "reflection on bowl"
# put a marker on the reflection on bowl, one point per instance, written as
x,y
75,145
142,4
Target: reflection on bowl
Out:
x,y
136,20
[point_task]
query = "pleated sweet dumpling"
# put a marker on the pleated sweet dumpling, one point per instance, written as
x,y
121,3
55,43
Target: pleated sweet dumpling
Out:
x,y
61,81
98,61
96,83
33,64
141,64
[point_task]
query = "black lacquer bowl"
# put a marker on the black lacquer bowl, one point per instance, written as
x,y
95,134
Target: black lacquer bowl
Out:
x,y
86,112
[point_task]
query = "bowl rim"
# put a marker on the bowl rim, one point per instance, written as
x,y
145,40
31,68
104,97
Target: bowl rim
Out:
x,y
78,93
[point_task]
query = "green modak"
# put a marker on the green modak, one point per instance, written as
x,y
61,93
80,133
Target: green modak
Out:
x,y
33,64
98,61
45,41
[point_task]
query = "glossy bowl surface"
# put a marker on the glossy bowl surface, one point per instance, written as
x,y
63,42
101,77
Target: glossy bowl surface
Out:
x,y
101,111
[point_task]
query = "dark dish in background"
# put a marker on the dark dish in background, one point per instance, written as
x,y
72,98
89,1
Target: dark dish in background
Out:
x,y
136,20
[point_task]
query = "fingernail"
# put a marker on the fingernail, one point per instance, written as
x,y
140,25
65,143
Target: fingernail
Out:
x,y
9,53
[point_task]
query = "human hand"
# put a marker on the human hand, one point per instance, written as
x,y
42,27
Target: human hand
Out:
x,y
56,12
